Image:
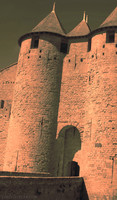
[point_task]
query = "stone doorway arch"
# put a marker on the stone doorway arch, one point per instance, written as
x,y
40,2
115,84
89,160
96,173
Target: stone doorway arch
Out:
x,y
67,144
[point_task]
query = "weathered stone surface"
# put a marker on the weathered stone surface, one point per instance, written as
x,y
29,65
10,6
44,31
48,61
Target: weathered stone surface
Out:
x,y
63,109
14,188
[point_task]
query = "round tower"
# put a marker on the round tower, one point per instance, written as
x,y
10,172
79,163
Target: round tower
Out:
x,y
33,121
99,142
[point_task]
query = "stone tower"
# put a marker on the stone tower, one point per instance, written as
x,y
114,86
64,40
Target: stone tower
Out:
x,y
33,121
63,115
89,77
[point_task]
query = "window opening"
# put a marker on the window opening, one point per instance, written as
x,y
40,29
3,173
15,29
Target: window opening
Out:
x,y
89,44
2,104
35,42
110,37
63,48
89,78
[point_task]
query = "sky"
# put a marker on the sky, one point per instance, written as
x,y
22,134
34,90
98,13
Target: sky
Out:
x,y
18,17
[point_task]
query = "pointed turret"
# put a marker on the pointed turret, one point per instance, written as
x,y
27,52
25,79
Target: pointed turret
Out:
x,y
50,23
81,29
84,16
53,7
87,19
111,20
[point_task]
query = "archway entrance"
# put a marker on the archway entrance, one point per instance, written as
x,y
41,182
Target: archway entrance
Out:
x,y
68,143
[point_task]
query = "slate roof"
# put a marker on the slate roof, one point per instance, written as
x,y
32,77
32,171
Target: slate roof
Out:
x,y
51,24
80,30
111,20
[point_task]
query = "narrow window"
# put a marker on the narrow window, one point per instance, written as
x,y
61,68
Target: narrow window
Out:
x,y
110,37
2,104
89,45
89,78
35,42
63,48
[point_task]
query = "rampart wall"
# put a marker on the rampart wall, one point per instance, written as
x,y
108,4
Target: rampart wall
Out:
x,y
7,82
34,188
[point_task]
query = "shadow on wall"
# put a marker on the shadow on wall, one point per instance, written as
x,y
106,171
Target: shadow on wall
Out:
x,y
84,195
67,144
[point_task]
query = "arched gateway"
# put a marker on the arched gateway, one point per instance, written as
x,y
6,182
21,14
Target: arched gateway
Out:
x,y
67,144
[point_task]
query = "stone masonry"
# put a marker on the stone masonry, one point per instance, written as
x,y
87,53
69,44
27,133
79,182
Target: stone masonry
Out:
x,y
58,105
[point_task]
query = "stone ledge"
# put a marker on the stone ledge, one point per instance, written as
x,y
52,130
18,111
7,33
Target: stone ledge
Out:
x,y
42,188
22,174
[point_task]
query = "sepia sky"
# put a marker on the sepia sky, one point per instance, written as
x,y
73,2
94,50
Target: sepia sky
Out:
x,y
18,17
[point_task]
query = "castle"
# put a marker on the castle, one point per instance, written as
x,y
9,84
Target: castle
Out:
x,y
58,105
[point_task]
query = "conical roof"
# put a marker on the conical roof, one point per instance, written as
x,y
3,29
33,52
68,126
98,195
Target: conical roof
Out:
x,y
50,23
81,29
111,20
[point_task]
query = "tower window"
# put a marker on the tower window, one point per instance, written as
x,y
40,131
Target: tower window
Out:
x,y
35,42
110,37
89,45
63,48
2,104
69,60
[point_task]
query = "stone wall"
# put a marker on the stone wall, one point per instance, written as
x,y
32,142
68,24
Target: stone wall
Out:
x,y
34,188
87,102
7,82
54,94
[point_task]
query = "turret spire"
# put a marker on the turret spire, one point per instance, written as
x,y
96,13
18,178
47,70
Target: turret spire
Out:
x,y
54,4
111,20
84,16
87,19
50,24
